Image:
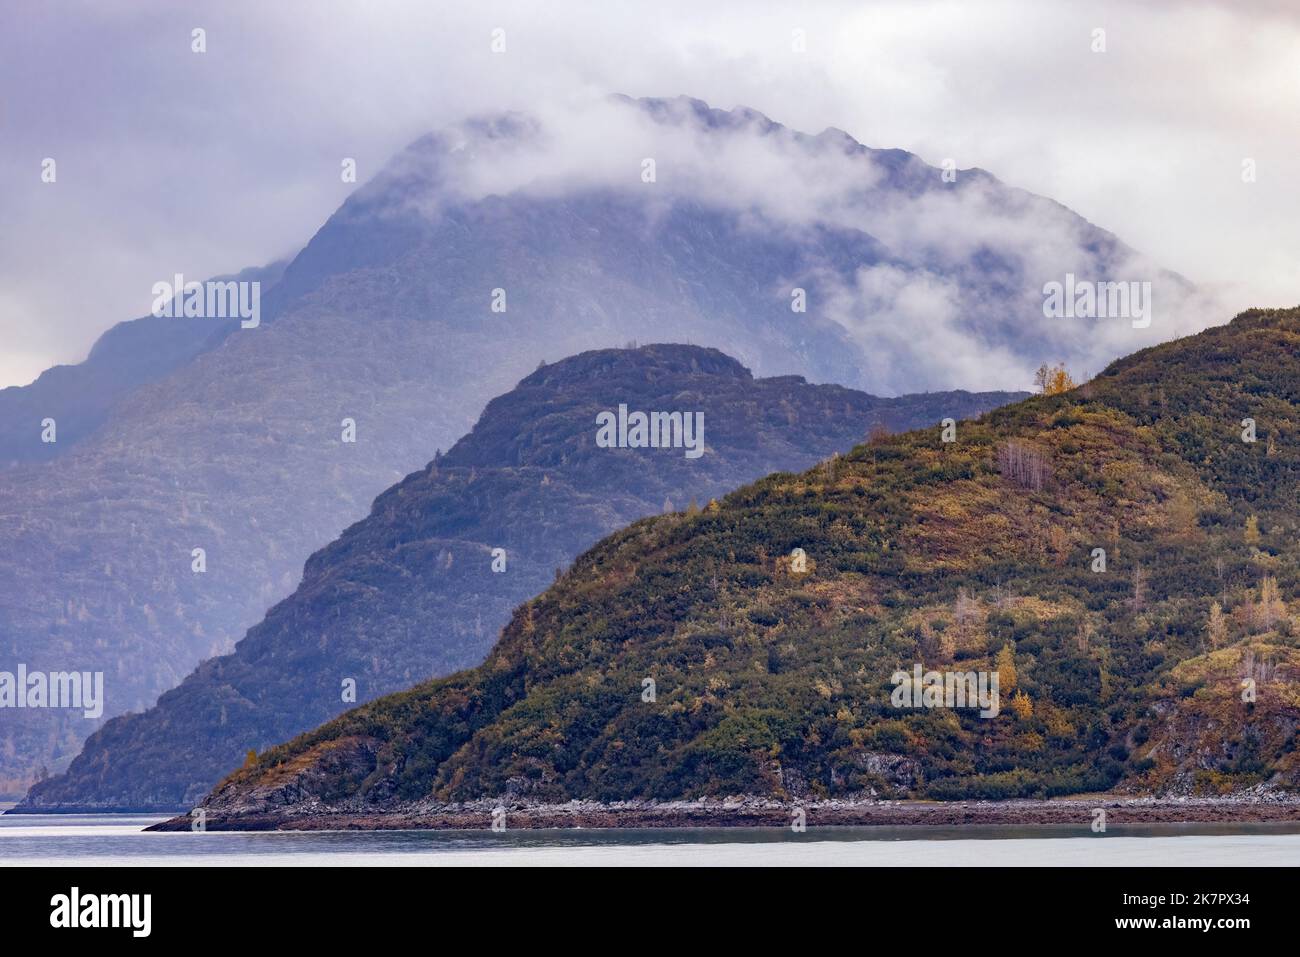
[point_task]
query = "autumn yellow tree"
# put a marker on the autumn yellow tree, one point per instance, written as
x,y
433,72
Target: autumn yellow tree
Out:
x,y
1217,627
1271,608
1251,534
1053,380
1006,667
1022,706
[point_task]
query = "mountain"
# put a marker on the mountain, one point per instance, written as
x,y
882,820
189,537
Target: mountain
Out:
x,y
1171,667
81,397
411,591
233,440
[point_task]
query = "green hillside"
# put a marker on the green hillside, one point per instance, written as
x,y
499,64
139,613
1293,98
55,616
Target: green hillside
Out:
x,y
972,555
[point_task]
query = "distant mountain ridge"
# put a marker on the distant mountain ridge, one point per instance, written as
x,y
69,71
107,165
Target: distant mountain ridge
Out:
x,y
80,397
410,591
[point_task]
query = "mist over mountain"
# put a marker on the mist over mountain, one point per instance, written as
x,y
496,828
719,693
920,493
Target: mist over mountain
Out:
x,y
1166,667
231,439
416,589
133,353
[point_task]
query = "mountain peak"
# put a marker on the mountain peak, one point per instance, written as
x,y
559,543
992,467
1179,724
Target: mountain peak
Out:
x,y
648,360
688,108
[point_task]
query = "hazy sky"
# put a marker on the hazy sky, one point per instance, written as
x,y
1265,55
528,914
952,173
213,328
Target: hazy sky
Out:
x,y
174,161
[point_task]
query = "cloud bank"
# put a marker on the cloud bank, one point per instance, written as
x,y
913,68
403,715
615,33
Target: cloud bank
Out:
x,y
171,161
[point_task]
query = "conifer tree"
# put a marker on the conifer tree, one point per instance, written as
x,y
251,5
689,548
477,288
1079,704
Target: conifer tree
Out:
x,y
1006,667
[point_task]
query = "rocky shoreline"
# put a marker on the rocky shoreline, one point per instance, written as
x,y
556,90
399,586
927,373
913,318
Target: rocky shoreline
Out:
x,y
754,812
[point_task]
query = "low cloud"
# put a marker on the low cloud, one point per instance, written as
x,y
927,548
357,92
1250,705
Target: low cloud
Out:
x,y
171,161
957,298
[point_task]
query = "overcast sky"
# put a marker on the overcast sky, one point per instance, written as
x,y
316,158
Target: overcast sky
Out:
x,y
173,161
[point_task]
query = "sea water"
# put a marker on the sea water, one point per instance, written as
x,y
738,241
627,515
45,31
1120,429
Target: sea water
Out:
x,y
116,840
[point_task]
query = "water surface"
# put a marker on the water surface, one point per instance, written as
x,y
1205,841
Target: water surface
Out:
x,y
119,839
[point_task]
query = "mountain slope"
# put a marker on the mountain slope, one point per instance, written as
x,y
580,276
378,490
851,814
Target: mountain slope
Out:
x,y
81,397
386,318
410,591
972,555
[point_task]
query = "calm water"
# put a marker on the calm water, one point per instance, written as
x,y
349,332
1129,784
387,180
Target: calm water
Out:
x,y
120,839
